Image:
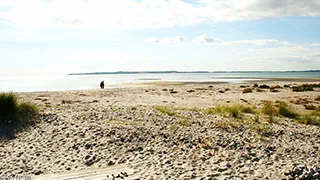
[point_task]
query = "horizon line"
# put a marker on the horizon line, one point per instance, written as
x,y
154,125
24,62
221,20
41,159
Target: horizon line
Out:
x,y
200,71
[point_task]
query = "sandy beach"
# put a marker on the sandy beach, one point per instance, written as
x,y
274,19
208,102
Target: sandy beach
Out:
x,y
165,131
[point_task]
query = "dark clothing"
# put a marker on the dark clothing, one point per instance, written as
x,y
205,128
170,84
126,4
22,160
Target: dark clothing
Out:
x,y
102,85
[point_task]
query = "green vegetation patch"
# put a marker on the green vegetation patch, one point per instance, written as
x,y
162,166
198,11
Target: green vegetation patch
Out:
x,y
270,110
166,110
184,122
16,115
312,118
286,111
234,111
262,129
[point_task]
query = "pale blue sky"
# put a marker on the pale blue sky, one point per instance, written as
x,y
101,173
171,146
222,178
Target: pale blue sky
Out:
x,y
63,36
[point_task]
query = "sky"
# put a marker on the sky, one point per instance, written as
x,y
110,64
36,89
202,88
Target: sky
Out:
x,y
68,36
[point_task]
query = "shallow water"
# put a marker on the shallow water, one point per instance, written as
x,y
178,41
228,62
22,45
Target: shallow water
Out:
x,y
78,82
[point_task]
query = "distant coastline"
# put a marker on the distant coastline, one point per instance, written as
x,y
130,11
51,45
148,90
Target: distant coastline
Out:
x,y
179,72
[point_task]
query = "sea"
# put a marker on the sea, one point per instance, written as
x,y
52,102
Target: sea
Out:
x,y
92,81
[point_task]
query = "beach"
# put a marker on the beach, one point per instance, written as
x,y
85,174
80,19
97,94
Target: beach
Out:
x,y
165,130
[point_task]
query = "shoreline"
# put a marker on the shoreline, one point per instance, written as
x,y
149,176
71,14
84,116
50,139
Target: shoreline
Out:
x,y
182,83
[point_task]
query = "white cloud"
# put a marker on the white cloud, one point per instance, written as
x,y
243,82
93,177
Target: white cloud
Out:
x,y
131,14
205,39
221,10
258,42
167,40
313,56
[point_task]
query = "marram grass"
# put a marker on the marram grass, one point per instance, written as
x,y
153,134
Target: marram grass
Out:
x,y
14,114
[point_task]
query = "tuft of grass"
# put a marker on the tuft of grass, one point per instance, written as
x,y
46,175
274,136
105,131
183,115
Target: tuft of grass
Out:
x,y
16,115
312,118
228,124
124,122
270,110
248,109
193,109
166,110
256,118
286,111
234,110
262,129
184,122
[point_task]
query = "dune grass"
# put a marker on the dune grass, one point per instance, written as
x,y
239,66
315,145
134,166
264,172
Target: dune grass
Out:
x,y
184,122
166,110
16,115
270,110
262,129
286,111
234,110
312,118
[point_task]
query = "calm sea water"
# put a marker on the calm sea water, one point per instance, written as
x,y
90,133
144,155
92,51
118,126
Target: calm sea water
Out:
x,y
78,82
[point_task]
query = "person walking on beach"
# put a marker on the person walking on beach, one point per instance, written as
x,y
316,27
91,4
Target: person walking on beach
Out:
x,y
102,85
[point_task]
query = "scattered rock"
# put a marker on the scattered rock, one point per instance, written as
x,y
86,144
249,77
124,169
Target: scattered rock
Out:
x,y
259,90
303,87
110,163
264,86
244,100
273,90
66,102
276,87
310,106
303,172
247,90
